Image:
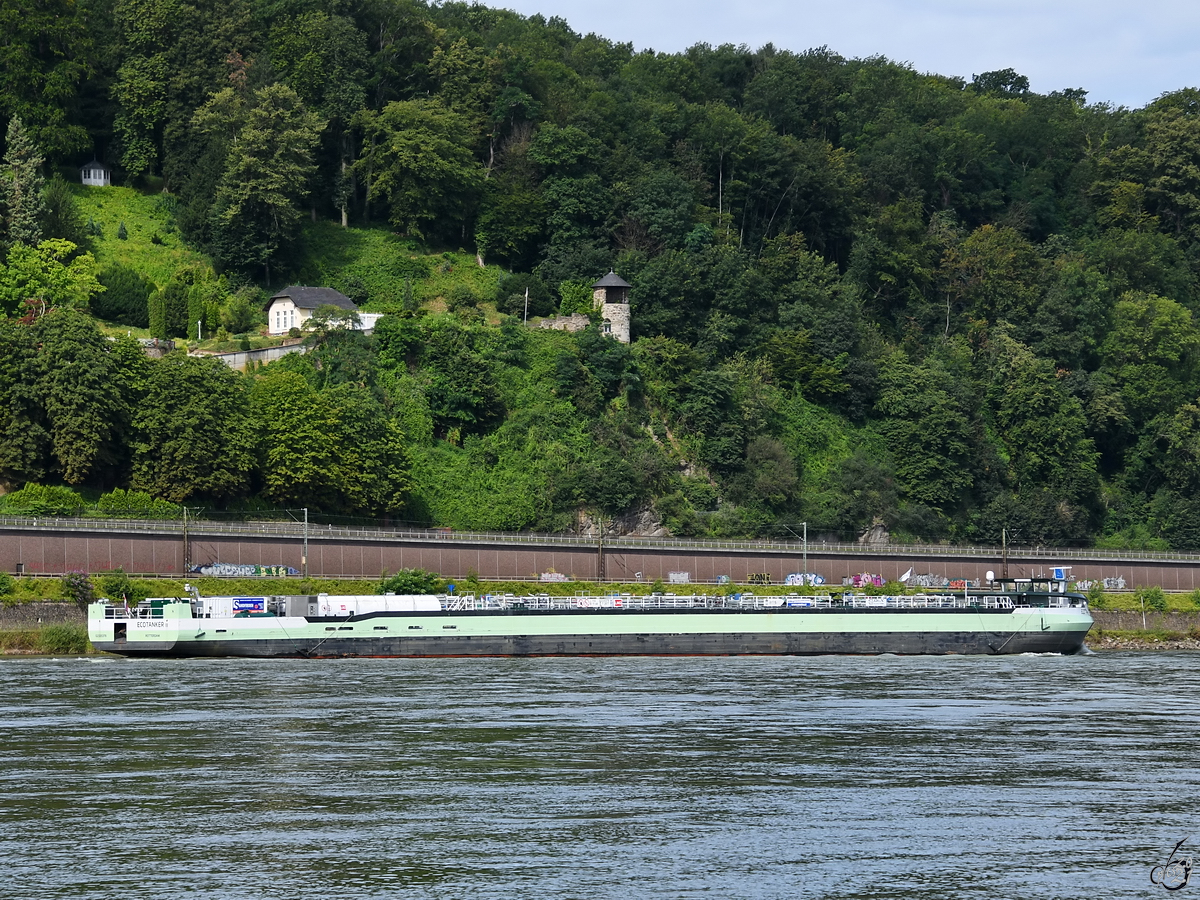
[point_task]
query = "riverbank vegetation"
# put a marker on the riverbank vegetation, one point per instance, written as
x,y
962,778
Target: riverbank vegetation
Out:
x,y
48,640
864,298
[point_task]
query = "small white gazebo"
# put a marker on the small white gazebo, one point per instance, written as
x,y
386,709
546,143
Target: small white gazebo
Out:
x,y
96,174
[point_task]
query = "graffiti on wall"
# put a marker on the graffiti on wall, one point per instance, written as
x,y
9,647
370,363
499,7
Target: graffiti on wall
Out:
x,y
234,570
803,578
1108,584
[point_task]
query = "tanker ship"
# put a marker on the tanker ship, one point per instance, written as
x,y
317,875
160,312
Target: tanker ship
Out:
x,y
1017,616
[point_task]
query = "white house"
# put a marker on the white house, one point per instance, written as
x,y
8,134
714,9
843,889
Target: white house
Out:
x,y
96,174
293,306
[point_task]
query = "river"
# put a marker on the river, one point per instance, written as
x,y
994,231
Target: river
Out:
x,y
885,777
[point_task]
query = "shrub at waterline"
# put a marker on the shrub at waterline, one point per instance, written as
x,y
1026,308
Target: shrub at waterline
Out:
x,y
63,639
53,639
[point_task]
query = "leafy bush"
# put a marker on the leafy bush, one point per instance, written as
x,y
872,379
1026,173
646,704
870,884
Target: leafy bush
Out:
x,y
461,297
576,296
123,504
1152,598
42,500
242,311
125,298
76,586
510,296
410,581
116,585
1096,597
7,584
61,218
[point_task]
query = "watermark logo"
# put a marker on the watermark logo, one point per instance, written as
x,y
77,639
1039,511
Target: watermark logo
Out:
x,y
1175,872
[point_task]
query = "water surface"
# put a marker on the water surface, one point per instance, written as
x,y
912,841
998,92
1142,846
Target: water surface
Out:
x,y
884,777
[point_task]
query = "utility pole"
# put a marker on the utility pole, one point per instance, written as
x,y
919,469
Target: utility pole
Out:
x,y
526,306
187,561
600,551
804,539
304,556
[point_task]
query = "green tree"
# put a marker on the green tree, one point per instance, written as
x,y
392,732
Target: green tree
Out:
x,y
928,431
193,434
298,441
1171,146
126,296
1041,426
80,387
46,277
410,581
24,205
992,275
78,587
240,312
325,60
47,52
418,160
115,584
267,174
1150,348
510,295
512,215
373,470
24,440
1152,598
141,88
61,218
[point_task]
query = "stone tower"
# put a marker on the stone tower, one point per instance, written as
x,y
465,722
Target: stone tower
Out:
x,y
611,296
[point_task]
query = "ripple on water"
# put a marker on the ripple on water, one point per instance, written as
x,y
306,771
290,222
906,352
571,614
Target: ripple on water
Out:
x,y
891,777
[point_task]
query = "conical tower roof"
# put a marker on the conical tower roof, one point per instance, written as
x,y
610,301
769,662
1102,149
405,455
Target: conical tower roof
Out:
x,y
612,279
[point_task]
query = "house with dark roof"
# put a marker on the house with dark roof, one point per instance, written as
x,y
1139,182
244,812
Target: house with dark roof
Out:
x,y
293,306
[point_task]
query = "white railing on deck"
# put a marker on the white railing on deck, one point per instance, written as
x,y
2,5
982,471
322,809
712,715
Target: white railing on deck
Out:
x,y
470,602
133,612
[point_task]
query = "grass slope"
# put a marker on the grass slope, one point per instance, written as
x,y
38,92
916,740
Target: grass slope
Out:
x,y
383,264
352,260
146,215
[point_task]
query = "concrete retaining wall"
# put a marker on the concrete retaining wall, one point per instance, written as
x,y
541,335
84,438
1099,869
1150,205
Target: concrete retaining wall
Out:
x,y
239,358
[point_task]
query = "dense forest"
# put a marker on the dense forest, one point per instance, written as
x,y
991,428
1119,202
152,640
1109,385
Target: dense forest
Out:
x,y
863,297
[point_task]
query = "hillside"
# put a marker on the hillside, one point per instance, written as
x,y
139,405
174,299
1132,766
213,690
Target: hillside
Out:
x,y
863,298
